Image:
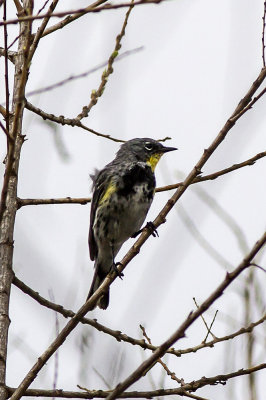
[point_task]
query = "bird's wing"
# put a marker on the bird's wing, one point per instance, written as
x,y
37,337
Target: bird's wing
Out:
x,y
100,184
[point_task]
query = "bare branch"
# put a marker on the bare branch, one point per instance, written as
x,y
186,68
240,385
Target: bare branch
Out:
x,y
8,206
71,18
6,73
79,11
82,75
18,7
95,94
10,54
67,121
205,323
66,200
2,111
192,386
249,105
43,7
160,361
263,34
209,330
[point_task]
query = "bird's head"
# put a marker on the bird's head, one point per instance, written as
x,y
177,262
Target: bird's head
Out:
x,y
144,149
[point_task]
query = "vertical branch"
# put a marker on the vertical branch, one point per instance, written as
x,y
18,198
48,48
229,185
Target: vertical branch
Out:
x,y
56,361
263,34
96,94
250,337
6,70
8,207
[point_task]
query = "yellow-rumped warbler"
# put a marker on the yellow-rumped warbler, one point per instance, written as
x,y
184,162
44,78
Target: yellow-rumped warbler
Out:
x,y
122,194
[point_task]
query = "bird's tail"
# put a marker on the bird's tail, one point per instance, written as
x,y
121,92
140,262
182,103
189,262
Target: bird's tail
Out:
x,y
98,278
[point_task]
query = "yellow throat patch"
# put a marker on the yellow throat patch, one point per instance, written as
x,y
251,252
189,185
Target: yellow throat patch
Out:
x,y
153,160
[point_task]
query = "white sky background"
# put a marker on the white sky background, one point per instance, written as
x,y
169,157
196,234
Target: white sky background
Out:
x,y
199,60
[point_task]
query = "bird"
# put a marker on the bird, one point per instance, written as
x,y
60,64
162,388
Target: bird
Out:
x,y
122,195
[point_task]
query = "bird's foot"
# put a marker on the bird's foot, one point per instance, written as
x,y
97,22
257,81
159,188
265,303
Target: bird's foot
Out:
x,y
150,225
119,274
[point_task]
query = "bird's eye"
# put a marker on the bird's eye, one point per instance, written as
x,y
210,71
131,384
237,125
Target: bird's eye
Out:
x,y
148,146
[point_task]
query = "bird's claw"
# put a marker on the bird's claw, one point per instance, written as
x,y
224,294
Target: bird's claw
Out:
x,y
118,273
150,225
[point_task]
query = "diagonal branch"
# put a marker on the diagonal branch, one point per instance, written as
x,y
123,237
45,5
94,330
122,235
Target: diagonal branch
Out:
x,y
71,18
67,121
95,94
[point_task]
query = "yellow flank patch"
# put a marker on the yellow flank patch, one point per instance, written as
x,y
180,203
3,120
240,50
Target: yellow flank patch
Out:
x,y
153,160
109,191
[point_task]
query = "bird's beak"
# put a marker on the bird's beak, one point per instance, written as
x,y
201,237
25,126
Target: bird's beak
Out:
x,y
166,149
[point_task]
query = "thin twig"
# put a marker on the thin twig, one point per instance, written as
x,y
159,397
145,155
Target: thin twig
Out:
x,y
263,34
96,94
15,40
43,7
203,319
41,29
258,266
71,18
67,121
191,386
80,11
56,358
160,361
249,105
6,72
82,75
209,330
